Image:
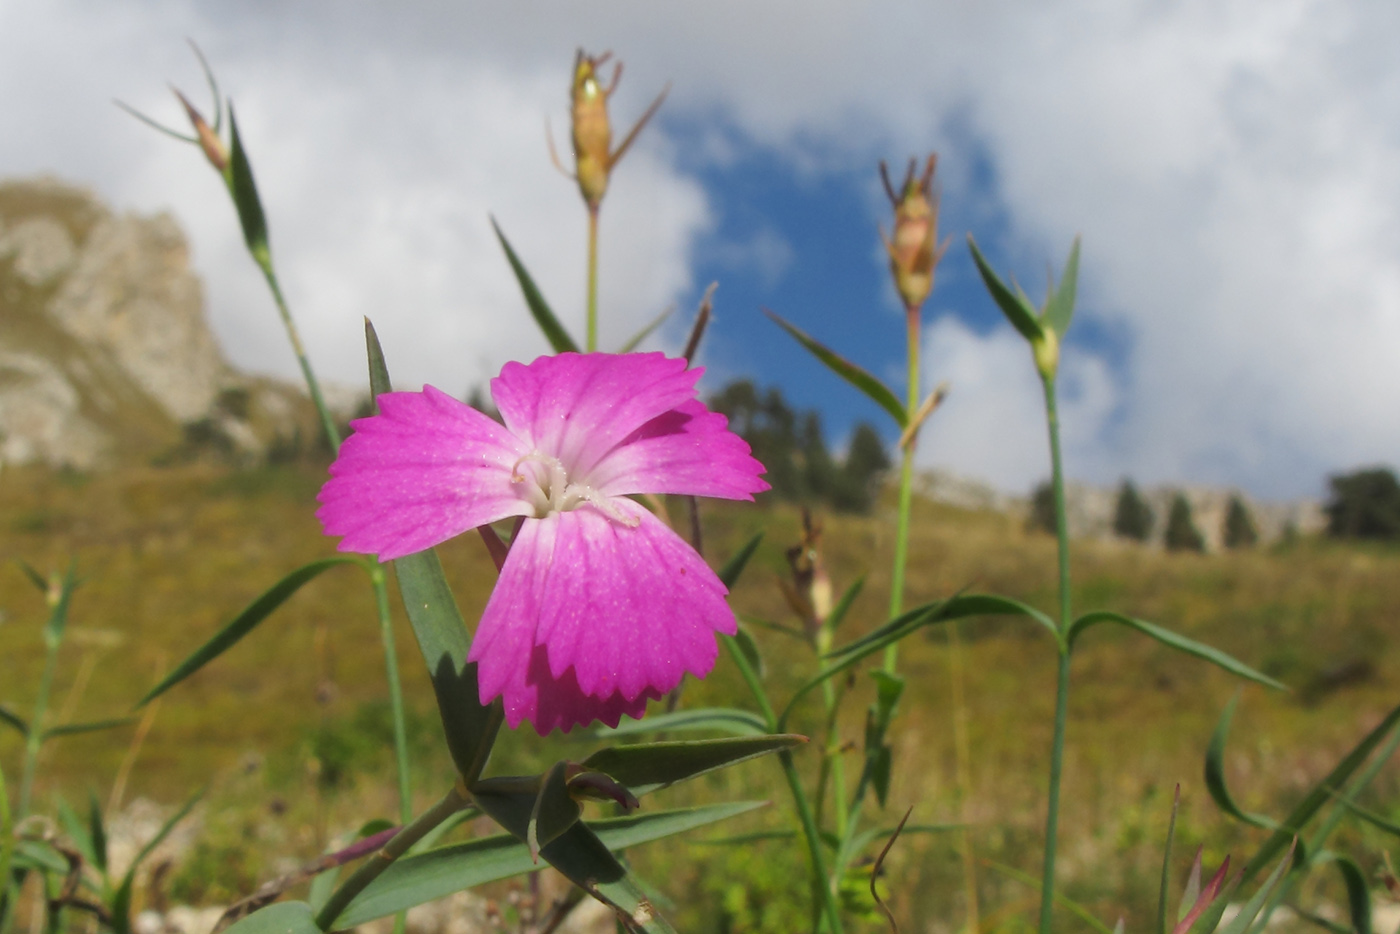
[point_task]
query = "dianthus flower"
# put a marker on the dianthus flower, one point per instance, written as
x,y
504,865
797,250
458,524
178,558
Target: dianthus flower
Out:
x,y
599,606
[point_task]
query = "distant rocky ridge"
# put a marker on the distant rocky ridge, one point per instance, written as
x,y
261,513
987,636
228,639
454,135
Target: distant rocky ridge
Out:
x,y
106,357
1090,509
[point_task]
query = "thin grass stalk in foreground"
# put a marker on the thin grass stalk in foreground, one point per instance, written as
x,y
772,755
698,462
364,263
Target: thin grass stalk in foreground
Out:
x,y
591,338
1057,748
906,489
34,740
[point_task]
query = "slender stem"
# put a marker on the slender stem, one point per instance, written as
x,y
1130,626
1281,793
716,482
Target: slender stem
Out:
x,y
391,671
452,802
35,738
1057,749
7,853
906,487
820,875
962,755
751,679
592,341
264,261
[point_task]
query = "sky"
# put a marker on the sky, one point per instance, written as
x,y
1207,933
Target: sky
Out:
x,y
1233,169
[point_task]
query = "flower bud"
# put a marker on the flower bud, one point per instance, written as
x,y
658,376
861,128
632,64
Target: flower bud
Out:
x,y
214,149
913,247
592,131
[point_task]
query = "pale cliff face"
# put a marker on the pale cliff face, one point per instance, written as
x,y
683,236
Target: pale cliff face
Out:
x,y
105,353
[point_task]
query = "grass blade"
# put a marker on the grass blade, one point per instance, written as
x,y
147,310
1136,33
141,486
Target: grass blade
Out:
x,y
1215,773
857,376
647,767
554,332
92,726
645,332
1060,309
729,574
245,194
1017,309
727,719
1175,641
245,622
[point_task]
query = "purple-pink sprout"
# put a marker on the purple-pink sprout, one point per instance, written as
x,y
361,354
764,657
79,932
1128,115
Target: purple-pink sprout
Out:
x,y
599,606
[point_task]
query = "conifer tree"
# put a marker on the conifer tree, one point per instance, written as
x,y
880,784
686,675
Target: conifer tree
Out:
x,y
1132,518
1182,534
1239,530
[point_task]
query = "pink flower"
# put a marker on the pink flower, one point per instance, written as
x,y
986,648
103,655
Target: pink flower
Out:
x,y
599,606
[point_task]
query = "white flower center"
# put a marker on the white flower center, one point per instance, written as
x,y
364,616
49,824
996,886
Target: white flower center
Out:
x,y
548,490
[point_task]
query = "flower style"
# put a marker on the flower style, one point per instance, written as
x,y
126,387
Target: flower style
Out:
x,y
599,606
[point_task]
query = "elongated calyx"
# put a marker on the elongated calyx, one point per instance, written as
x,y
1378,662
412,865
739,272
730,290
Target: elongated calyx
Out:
x,y
913,248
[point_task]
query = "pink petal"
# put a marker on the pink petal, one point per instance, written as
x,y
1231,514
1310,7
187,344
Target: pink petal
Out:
x,y
427,468
550,703
624,611
576,407
688,450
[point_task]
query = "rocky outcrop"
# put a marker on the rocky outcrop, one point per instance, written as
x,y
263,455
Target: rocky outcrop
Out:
x,y
105,353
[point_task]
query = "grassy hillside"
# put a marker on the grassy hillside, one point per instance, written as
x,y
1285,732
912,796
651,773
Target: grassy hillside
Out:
x,y
290,729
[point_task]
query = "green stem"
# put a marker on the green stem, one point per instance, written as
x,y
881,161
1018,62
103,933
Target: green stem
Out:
x,y
1057,749
906,487
751,679
8,892
592,341
391,670
35,738
264,260
820,874
451,803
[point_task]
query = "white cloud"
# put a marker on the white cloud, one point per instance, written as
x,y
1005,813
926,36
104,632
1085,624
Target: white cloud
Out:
x,y
992,424
1233,165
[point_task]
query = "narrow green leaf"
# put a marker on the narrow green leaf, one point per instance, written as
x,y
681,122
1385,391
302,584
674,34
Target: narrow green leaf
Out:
x,y
1060,308
843,606
1175,641
1320,794
645,332
121,901
581,857
77,829
1358,892
1075,907
244,623
245,194
554,332
1241,922
790,631
868,836
749,647
58,616
97,835
959,607
278,918
728,719
858,377
1167,865
554,811
1215,773
470,727
425,877
35,578
12,719
647,767
729,574
1370,817
38,855
1018,310
72,729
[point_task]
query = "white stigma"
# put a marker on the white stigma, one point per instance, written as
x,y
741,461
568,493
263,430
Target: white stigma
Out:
x,y
548,490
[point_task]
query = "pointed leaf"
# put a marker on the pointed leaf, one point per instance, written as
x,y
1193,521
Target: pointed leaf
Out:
x,y
246,621
959,607
277,918
729,574
1193,885
647,767
1370,817
1215,773
121,901
414,880
555,811
1167,864
645,332
1175,641
554,332
744,639
97,835
728,719
1358,892
34,576
858,377
1202,900
77,829
843,606
72,729
1320,794
245,194
1060,309
1241,922
1017,308
38,855
9,717
58,616
441,632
